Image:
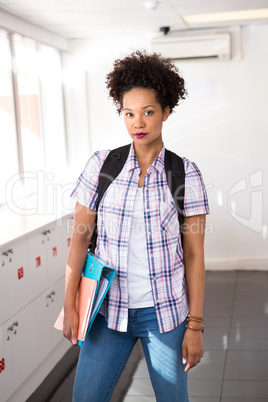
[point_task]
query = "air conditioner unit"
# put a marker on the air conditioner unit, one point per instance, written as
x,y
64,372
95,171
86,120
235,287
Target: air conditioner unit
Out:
x,y
189,46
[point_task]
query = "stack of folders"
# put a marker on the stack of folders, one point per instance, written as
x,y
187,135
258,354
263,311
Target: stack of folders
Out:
x,y
93,287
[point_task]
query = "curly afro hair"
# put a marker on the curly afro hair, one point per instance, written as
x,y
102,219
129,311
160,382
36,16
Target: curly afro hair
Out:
x,y
140,70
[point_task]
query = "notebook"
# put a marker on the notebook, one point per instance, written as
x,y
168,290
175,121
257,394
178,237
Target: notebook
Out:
x,y
93,287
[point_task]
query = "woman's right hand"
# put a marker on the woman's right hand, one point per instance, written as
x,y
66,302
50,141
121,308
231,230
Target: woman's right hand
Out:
x,y
70,326
83,225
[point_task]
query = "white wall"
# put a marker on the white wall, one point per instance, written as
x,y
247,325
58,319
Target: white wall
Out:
x,y
222,126
92,120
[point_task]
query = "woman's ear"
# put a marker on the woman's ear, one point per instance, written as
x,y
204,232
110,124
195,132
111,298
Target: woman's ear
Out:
x,y
166,113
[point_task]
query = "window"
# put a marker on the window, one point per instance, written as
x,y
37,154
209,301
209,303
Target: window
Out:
x,y
28,96
32,129
53,111
9,163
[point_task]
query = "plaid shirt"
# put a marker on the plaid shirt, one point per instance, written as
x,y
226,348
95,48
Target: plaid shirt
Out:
x,y
165,254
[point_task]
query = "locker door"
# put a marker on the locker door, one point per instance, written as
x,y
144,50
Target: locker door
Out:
x,y
37,262
46,309
19,279
7,385
56,303
66,234
42,332
4,302
54,254
22,341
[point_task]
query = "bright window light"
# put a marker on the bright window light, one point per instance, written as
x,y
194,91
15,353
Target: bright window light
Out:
x,y
32,124
227,16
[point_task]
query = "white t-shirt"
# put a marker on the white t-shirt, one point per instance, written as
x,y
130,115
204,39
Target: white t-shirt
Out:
x,y
139,285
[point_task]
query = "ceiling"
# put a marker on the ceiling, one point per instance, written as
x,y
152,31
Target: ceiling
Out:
x,y
73,19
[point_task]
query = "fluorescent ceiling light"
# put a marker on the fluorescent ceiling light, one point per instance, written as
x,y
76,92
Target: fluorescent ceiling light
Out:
x,y
226,16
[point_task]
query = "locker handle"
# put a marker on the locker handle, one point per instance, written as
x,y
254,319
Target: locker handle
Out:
x,y
5,253
46,232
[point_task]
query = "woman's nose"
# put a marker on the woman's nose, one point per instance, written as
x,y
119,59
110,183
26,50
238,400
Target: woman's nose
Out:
x,y
139,122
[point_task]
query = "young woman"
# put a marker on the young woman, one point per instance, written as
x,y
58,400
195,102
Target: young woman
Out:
x,y
158,283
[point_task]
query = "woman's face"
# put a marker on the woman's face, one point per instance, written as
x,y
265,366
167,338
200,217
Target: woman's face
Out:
x,y
144,116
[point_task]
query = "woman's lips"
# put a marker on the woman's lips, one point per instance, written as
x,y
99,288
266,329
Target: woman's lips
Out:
x,y
140,135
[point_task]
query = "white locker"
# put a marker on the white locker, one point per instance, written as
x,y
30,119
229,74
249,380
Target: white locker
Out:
x,y
32,270
66,234
36,243
46,309
22,343
7,385
55,308
4,302
19,278
55,256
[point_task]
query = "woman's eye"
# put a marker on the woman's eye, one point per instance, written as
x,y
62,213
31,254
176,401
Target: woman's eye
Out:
x,y
129,114
149,112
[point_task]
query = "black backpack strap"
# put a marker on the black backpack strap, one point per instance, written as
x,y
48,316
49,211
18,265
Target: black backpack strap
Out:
x,y
175,173
111,168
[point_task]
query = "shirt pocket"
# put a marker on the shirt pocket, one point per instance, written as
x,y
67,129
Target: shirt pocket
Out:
x,y
169,218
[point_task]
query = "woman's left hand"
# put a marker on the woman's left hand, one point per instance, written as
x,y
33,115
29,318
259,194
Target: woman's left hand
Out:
x,y
192,348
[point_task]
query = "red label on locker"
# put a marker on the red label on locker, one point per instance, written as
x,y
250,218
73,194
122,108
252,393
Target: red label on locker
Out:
x,y
54,251
68,242
38,262
20,273
2,364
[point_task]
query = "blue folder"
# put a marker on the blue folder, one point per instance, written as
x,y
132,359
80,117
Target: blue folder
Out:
x,y
96,268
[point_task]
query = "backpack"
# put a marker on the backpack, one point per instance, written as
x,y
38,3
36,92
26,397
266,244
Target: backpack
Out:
x,y
113,165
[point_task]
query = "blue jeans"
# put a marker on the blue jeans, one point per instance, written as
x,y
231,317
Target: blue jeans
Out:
x,y
105,352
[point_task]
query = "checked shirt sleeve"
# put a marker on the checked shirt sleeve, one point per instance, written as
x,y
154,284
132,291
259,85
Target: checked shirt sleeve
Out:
x,y
195,198
86,188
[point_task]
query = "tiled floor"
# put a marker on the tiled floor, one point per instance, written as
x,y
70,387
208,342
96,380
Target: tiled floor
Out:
x,y
235,363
